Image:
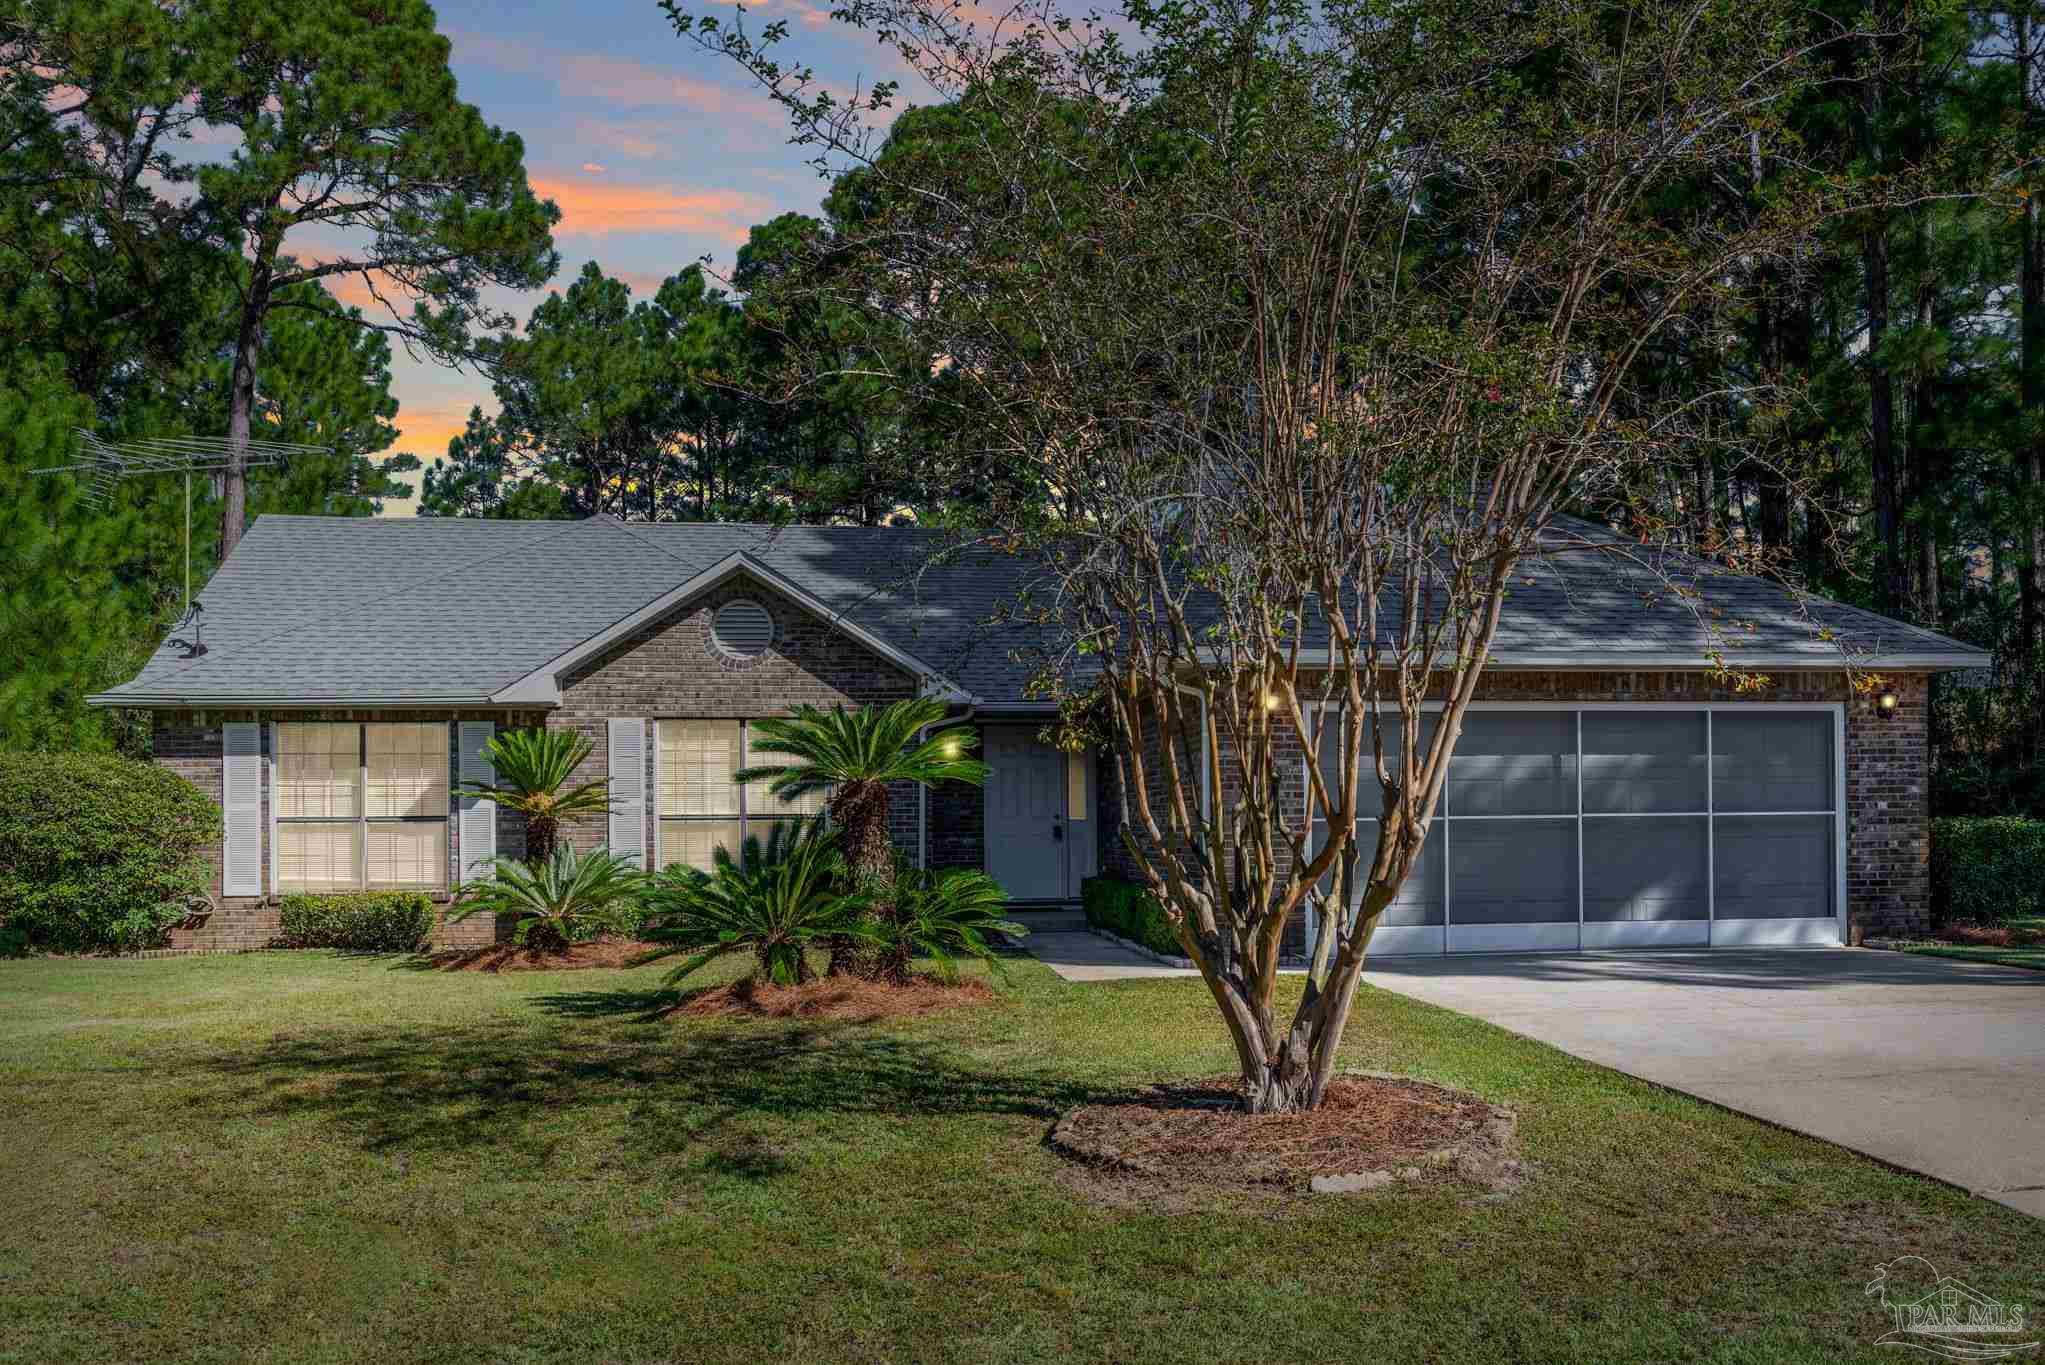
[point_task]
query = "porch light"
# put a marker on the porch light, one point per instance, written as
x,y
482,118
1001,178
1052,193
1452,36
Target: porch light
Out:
x,y
1886,703
1270,701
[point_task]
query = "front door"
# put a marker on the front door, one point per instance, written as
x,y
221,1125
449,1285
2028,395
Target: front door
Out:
x,y
1028,841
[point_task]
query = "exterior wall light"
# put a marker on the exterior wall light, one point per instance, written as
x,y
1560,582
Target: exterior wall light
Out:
x,y
1886,703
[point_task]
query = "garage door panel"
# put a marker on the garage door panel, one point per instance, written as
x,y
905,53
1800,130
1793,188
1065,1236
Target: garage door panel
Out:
x,y
1774,867
1514,763
1641,761
1647,869
1512,872
1771,761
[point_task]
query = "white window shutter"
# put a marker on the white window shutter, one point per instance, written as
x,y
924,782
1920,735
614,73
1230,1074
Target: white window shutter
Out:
x,y
478,814
241,806
628,789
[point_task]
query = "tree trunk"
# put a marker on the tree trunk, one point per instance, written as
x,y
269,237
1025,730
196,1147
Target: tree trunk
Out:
x,y
860,810
2029,470
1874,246
241,398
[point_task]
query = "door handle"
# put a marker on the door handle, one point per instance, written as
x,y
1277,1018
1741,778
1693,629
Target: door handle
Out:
x,y
1057,832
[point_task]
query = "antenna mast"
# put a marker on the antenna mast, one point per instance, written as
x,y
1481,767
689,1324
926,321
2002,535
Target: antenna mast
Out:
x,y
107,463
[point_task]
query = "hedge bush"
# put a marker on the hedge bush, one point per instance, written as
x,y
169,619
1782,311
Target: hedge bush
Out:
x,y
1128,911
99,852
360,921
1987,869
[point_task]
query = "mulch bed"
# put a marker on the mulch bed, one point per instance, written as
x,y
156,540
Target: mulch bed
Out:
x,y
1991,936
1370,1131
839,998
508,957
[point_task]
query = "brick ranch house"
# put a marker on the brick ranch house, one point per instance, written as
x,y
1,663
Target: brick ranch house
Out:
x,y
1606,790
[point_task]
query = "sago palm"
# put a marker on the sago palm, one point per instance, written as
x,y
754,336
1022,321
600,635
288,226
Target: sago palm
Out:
x,y
944,916
533,769
776,902
551,903
854,755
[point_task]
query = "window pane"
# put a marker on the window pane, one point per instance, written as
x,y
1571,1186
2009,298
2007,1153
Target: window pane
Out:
x,y
1077,807
318,857
408,853
1774,867
1512,871
690,843
1643,761
1771,760
319,768
1645,869
406,769
1515,763
697,759
760,801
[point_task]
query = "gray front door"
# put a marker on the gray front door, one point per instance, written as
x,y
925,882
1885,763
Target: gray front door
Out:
x,y
1027,839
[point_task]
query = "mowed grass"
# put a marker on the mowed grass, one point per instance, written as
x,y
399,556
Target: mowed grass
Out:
x,y
2029,951
306,1157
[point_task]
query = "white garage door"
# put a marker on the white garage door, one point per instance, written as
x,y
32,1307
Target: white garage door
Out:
x,y
1569,827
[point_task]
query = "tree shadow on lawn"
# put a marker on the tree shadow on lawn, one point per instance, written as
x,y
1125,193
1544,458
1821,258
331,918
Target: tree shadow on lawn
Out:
x,y
664,1090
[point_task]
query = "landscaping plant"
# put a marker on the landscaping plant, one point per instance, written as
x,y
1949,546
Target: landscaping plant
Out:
x,y
533,770
942,915
357,921
854,755
777,901
571,896
99,852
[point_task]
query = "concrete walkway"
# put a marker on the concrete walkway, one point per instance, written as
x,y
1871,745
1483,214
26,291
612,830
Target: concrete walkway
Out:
x,y
1929,1064
1082,955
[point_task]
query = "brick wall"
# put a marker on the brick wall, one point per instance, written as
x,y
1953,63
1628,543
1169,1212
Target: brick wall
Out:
x,y
671,668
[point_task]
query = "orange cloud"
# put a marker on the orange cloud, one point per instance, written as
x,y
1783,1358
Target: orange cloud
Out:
x,y
594,209
425,431
594,167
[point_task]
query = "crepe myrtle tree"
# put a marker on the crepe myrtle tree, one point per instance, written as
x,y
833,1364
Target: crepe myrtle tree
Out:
x,y
1309,320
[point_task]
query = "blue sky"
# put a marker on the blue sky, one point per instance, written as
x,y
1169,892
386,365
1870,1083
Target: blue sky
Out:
x,y
656,152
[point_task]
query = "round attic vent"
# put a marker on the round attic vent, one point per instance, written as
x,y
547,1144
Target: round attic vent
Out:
x,y
742,628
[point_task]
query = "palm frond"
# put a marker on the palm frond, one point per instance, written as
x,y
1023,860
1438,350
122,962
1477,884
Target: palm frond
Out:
x,y
872,744
557,900
776,900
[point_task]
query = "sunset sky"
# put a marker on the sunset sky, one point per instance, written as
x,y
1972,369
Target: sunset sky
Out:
x,y
655,152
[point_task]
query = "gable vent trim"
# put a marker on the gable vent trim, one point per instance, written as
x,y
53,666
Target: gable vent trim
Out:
x,y
743,627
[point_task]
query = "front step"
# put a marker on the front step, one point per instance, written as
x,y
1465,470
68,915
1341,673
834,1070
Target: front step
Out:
x,y
1048,919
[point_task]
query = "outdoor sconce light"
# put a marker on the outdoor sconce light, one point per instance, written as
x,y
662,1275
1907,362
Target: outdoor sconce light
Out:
x,y
1885,704
1270,701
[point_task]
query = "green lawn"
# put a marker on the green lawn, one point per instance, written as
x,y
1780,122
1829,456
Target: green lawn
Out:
x,y
2030,954
302,1157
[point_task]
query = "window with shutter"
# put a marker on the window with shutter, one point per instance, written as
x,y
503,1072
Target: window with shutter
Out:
x,y
361,805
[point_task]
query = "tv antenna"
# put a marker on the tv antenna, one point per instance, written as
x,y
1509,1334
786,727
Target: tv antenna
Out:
x,y
107,463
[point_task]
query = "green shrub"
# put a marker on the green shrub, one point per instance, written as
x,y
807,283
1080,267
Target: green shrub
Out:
x,y
1128,911
1987,870
570,898
99,852
360,921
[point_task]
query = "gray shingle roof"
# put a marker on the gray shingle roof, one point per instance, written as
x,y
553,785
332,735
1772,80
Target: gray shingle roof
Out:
x,y
331,610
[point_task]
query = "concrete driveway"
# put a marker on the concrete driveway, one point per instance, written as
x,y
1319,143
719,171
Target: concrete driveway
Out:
x,y
1929,1064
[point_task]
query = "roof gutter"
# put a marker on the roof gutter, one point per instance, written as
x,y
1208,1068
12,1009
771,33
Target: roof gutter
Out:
x,y
1926,661
197,701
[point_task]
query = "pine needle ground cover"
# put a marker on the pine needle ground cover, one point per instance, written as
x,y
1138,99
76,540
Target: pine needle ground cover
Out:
x,y
304,1157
